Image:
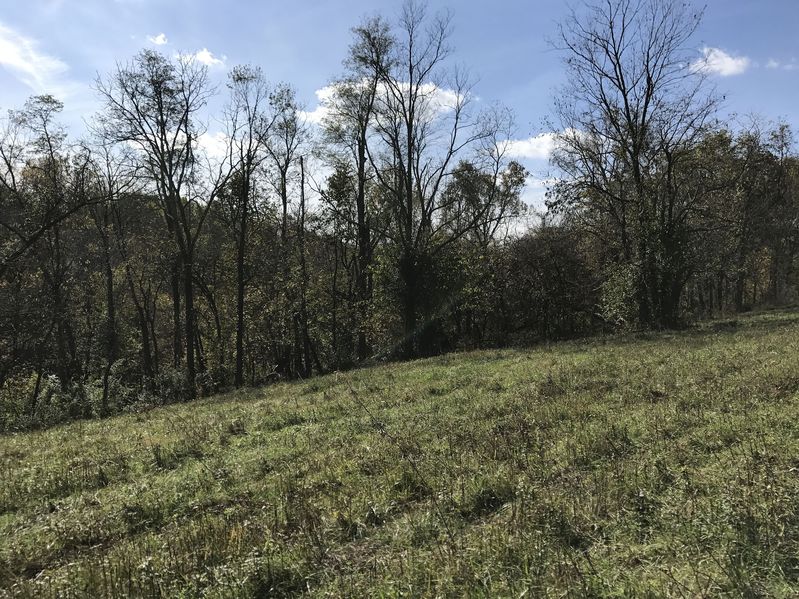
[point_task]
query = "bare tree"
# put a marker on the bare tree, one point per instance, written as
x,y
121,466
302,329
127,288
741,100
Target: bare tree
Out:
x,y
633,108
347,128
249,123
423,122
153,104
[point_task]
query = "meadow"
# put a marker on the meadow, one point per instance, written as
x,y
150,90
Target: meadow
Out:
x,y
657,464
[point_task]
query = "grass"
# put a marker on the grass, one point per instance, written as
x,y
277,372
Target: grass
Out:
x,y
662,464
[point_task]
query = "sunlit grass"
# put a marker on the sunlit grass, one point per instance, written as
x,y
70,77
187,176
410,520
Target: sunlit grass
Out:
x,y
657,464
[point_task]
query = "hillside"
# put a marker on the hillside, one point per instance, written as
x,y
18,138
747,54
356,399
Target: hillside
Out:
x,y
660,464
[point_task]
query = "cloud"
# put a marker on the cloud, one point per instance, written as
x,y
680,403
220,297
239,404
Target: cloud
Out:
x,y
324,96
785,66
21,55
441,99
535,190
438,101
206,57
215,145
716,61
538,147
158,40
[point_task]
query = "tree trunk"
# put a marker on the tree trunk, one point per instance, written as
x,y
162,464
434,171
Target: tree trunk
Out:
x,y
191,373
334,309
740,288
111,327
306,340
409,299
284,199
240,292
363,290
177,338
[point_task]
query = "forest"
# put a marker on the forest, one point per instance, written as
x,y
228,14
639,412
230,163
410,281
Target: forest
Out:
x,y
142,265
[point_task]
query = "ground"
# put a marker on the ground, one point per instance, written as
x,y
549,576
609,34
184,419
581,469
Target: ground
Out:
x,y
644,465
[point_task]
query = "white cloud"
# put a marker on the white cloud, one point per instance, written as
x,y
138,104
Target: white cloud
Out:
x,y
438,101
716,61
323,96
37,70
441,99
215,145
785,66
538,147
158,40
206,57
535,190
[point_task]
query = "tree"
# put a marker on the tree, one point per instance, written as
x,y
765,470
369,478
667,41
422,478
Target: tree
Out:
x,y
43,183
112,179
153,104
783,238
286,136
351,112
423,121
631,112
480,200
249,126
28,136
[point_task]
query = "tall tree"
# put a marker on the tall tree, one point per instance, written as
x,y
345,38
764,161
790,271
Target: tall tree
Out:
x,y
112,178
44,183
284,145
153,104
424,121
249,124
347,129
633,108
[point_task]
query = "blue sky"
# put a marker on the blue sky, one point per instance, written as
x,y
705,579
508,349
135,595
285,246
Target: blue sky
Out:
x,y
59,46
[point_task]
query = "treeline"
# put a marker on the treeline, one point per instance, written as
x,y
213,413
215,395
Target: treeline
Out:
x,y
151,261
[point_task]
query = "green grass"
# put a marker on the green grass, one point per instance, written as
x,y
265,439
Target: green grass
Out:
x,y
647,466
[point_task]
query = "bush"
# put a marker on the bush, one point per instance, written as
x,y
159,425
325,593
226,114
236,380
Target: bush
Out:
x,y
24,404
617,296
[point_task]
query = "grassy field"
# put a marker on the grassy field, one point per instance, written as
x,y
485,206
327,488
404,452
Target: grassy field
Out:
x,y
647,466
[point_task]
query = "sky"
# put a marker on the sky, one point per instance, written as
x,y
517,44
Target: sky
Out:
x,y
60,46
